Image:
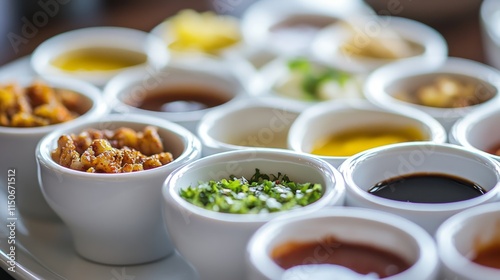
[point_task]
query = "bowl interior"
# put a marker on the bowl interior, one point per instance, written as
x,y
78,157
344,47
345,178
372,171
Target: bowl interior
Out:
x,y
483,132
383,164
269,127
177,84
173,142
475,232
243,163
348,229
408,87
325,125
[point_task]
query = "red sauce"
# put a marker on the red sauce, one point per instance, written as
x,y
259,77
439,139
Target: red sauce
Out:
x,y
489,256
494,150
363,259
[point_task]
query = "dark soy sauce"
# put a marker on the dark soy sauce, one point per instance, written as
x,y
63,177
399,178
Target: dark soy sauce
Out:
x,y
427,188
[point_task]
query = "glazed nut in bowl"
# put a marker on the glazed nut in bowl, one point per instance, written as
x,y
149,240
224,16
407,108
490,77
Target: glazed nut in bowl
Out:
x,y
96,54
221,130
364,43
424,182
342,243
213,205
469,244
335,130
31,108
447,91
306,81
271,29
181,92
479,131
103,178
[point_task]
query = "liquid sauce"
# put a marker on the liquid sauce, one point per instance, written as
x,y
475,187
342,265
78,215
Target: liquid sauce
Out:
x,y
495,150
352,142
489,256
98,59
427,188
360,258
181,99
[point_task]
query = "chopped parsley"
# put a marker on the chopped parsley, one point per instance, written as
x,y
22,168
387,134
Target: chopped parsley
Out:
x,y
313,79
262,193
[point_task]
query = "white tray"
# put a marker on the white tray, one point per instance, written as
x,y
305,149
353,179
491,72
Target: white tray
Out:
x,y
44,250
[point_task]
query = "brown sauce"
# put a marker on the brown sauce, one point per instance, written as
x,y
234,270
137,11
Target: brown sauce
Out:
x,y
180,99
363,259
489,256
427,188
494,150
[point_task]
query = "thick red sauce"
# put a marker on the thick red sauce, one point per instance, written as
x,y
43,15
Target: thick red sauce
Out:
x,y
489,256
363,259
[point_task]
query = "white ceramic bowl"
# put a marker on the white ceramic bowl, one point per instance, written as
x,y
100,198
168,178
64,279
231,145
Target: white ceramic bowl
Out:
x,y
199,73
259,19
327,46
478,131
18,145
267,122
377,229
327,118
364,170
115,218
277,74
162,31
214,243
460,236
98,37
490,20
383,83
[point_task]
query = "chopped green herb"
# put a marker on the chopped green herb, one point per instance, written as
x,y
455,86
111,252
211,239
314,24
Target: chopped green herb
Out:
x,y
261,194
313,78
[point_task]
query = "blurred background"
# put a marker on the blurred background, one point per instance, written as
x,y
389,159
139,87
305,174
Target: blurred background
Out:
x,y
24,24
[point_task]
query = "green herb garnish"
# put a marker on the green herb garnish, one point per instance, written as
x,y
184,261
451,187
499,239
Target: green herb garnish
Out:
x,y
261,194
314,78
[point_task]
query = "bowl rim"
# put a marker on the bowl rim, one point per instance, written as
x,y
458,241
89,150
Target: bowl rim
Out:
x,y
448,252
161,31
461,129
334,189
327,108
351,163
212,118
377,82
192,146
157,56
124,82
255,32
257,256
82,88
435,47
269,74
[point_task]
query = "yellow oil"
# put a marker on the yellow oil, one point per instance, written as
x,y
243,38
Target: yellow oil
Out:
x,y
98,59
352,142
